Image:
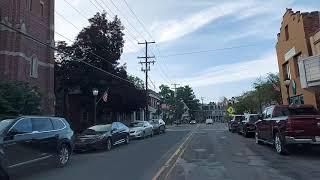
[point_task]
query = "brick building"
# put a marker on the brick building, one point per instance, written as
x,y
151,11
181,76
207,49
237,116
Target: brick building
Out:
x,y
293,45
23,59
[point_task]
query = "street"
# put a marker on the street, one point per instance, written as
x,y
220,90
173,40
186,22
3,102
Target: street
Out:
x,y
192,152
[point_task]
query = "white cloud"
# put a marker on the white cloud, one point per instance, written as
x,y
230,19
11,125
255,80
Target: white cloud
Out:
x,y
233,72
177,28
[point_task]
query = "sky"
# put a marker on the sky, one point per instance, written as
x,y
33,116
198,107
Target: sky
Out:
x,y
219,48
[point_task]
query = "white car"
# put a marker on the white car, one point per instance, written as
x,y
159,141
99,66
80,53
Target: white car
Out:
x,y
141,129
209,121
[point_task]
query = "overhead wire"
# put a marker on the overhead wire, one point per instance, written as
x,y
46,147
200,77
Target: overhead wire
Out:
x,y
56,49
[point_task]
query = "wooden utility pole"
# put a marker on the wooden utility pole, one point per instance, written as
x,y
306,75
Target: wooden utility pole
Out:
x,y
146,69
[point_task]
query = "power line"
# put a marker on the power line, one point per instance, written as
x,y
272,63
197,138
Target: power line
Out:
x,y
209,50
79,12
56,49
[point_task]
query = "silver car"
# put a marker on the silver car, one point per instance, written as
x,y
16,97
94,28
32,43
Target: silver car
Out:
x,y
140,129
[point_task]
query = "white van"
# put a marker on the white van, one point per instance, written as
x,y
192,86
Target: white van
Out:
x,y
209,121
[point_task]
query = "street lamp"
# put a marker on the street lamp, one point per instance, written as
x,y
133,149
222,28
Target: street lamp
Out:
x,y
287,84
95,93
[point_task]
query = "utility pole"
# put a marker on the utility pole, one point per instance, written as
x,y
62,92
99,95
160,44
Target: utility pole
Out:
x,y
175,98
202,98
146,69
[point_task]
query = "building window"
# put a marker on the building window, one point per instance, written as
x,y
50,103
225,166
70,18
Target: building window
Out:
x,y
30,5
287,32
286,71
42,8
34,67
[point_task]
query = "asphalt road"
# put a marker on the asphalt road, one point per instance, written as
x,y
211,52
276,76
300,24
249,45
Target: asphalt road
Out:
x,y
139,160
214,153
186,152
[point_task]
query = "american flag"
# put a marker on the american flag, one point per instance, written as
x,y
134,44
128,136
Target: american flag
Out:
x,y
105,96
275,87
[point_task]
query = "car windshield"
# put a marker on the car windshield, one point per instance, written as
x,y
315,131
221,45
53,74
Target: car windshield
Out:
x,y
238,118
4,124
97,129
137,124
153,121
253,118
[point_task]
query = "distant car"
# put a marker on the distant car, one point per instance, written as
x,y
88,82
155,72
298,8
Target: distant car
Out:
x,y
102,136
141,129
283,126
29,139
159,126
209,121
193,122
234,123
247,126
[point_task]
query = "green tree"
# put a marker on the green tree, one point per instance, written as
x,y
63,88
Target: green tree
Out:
x,y
100,44
19,98
138,83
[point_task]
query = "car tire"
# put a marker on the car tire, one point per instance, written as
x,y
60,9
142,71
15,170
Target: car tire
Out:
x,y
127,140
245,133
63,155
143,135
108,144
163,129
151,134
279,145
257,138
3,175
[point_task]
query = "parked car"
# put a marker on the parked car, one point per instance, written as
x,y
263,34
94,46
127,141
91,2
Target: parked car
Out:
x,y
29,139
209,121
159,126
193,122
247,126
102,136
234,123
141,129
283,125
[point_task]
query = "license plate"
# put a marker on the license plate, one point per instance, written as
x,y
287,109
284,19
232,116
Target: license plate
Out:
x,y
317,138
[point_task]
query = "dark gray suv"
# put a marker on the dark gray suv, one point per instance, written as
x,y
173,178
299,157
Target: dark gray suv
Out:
x,y
29,139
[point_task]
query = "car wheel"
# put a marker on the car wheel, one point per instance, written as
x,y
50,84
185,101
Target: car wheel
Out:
x,y
245,133
279,144
143,135
151,133
257,138
63,155
109,144
3,175
163,129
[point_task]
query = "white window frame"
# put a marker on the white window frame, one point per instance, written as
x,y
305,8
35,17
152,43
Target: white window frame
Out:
x,y
34,67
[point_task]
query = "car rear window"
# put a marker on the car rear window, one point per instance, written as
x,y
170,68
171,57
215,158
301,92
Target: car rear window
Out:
x,y
254,118
57,124
286,111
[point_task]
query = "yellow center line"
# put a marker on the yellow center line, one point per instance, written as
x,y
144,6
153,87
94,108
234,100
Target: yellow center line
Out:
x,y
178,153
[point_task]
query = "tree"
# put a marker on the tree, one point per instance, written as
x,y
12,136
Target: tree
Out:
x,y
100,44
263,94
19,98
138,83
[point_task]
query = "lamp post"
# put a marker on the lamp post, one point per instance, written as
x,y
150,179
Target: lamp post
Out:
x,y
95,93
287,84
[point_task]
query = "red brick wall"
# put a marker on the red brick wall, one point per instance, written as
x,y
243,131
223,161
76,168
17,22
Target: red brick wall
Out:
x,y
16,13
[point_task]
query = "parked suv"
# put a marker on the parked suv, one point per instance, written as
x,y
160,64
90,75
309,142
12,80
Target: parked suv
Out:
x,y
29,139
284,125
247,126
234,123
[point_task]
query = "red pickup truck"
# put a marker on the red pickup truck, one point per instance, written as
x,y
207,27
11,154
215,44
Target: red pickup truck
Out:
x,y
283,125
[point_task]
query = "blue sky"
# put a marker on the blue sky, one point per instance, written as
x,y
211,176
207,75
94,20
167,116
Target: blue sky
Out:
x,y
195,25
